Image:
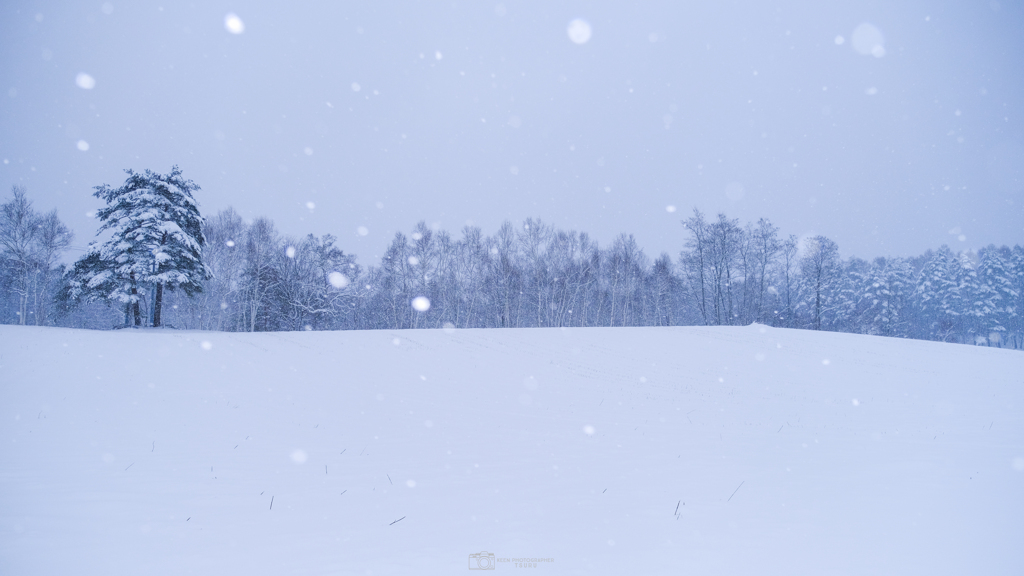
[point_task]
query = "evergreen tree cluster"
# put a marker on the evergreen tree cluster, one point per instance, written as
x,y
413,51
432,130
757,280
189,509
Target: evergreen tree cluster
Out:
x,y
162,263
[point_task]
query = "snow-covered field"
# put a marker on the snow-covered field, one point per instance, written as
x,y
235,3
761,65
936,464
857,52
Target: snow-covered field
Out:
x,y
745,450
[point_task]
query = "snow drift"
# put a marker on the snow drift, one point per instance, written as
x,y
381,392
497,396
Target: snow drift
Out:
x,y
594,451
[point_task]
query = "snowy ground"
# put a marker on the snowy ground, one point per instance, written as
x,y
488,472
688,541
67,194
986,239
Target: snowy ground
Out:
x,y
712,451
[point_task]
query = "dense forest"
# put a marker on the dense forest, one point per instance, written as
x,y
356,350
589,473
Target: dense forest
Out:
x,y
529,275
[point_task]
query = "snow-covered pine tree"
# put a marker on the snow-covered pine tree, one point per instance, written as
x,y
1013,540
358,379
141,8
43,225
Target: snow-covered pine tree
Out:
x,y
156,243
846,302
938,297
1015,309
883,300
993,303
971,303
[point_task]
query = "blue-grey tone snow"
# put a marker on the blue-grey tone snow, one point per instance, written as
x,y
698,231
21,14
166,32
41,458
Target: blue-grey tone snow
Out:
x,y
888,127
654,451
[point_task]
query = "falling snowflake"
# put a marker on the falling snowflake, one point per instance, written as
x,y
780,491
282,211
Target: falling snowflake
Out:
x,y
84,81
233,24
579,31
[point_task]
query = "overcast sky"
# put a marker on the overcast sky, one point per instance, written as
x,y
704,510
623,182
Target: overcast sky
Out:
x,y
891,127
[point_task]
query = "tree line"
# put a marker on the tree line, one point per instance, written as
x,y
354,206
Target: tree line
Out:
x,y
164,264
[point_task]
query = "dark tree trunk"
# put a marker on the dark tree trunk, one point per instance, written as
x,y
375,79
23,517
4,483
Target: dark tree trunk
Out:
x,y
158,298
158,304
136,312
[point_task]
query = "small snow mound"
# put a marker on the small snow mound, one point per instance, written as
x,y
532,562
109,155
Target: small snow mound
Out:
x,y
589,430
299,456
206,345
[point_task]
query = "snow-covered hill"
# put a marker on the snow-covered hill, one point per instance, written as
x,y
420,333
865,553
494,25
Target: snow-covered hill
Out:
x,y
603,451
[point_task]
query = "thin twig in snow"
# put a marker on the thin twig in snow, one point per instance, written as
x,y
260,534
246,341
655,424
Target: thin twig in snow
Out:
x,y
271,502
129,466
399,520
389,479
